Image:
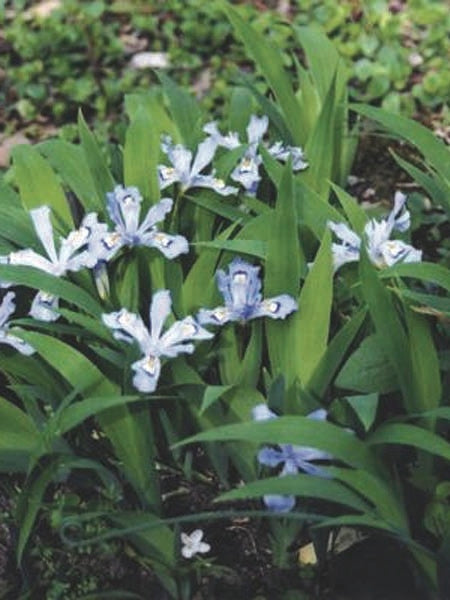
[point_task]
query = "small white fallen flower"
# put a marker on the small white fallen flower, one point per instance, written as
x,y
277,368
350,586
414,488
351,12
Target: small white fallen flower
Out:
x,y
192,544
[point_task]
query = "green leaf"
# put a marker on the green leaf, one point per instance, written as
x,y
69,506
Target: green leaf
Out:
x,y
131,435
426,303
313,210
320,148
368,369
218,207
423,271
295,430
38,184
305,486
381,493
436,187
69,363
390,330
15,223
140,156
100,173
240,110
335,354
434,151
410,435
19,438
212,394
365,408
251,247
270,109
183,108
78,412
39,280
30,501
70,162
151,103
355,214
269,60
199,285
282,273
321,55
425,361
312,320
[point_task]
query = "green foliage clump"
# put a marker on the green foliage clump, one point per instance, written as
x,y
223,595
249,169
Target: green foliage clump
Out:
x,y
79,54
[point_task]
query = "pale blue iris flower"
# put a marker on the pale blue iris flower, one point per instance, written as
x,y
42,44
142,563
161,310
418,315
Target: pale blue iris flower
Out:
x,y
382,251
7,307
73,254
247,171
129,327
187,171
241,290
124,209
293,459
283,153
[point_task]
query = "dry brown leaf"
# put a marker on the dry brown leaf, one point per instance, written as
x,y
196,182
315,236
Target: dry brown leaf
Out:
x,y
8,143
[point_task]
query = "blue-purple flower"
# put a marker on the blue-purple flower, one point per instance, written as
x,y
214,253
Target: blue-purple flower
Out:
x,y
382,251
7,307
124,209
188,171
292,459
72,255
154,344
241,290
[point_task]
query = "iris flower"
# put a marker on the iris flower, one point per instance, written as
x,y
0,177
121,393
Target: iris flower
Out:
x,y
73,254
187,171
247,171
124,209
382,251
294,459
7,307
129,327
241,289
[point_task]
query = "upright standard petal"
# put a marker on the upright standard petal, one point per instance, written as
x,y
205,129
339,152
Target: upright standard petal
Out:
x,y
256,129
44,230
204,156
124,208
400,222
160,308
240,287
156,214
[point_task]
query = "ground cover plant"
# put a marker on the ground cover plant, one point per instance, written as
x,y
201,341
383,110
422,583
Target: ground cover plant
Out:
x,y
215,363
56,57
